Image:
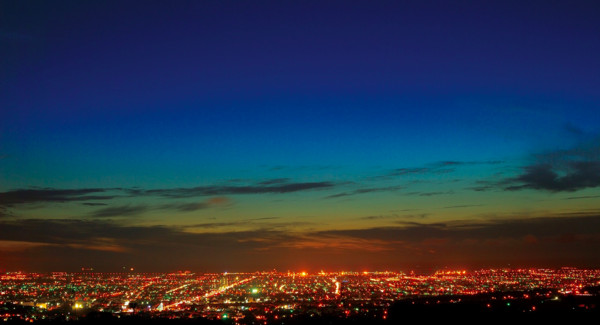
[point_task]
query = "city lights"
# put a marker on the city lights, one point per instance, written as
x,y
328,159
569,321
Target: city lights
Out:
x,y
271,296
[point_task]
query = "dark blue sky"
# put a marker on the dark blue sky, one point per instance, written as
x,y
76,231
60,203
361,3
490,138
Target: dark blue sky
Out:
x,y
315,114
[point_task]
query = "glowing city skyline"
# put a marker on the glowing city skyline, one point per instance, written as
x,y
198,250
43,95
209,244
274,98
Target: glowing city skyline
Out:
x,y
282,297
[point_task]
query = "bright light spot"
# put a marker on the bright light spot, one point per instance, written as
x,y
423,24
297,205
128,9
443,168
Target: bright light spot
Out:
x,y
303,274
254,290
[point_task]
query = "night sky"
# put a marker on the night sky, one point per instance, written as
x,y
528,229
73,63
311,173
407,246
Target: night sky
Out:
x,y
299,135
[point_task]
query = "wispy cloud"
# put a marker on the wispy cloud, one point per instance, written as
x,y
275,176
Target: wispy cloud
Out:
x,y
53,195
334,243
365,191
264,224
583,197
135,210
378,217
23,196
436,168
120,211
430,193
482,188
278,187
302,167
193,206
18,245
396,216
274,181
462,206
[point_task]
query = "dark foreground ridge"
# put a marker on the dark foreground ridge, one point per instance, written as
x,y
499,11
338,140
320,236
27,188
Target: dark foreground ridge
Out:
x,y
499,308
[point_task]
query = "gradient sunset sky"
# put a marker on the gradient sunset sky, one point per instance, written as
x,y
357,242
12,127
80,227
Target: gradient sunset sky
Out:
x,y
301,135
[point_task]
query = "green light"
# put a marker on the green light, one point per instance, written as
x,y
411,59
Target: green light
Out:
x,y
254,290
224,316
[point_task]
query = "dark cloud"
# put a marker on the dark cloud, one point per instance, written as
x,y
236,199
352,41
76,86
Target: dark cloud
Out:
x,y
129,210
409,171
462,206
23,196
275,181
586,151
482,188
185,207
543,227
4,212
280,188
252,222
193,206
265,218
364,191
464,163
210,225
549,241
396,216
67,231
416,216
45,195
334,196
376,217
437,168
422,170
435,193
120,211
429,193
574,176
93,204
583,197
564,170
108,245
450,163
68,244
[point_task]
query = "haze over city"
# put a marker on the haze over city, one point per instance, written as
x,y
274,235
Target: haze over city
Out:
x,y
218,136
